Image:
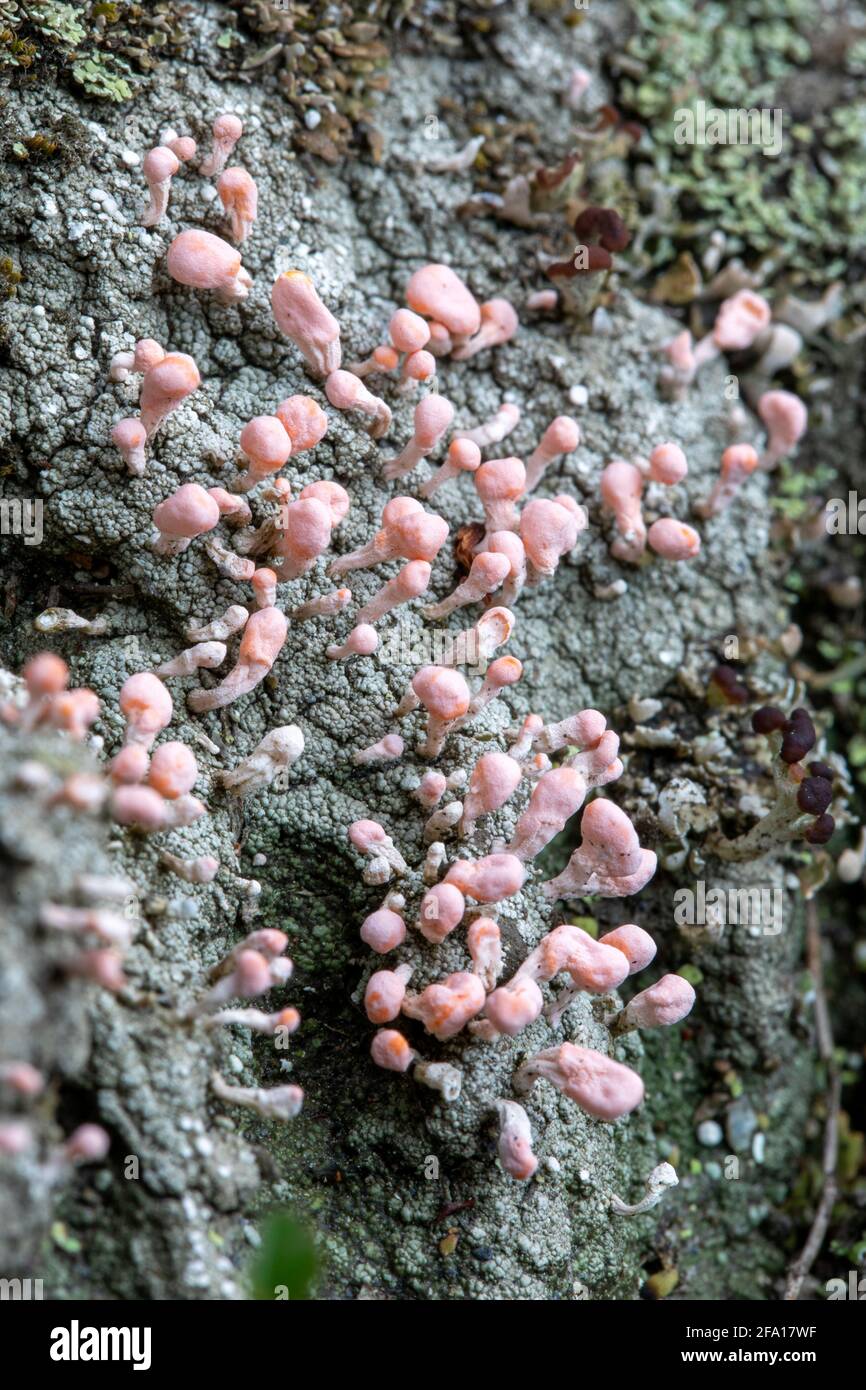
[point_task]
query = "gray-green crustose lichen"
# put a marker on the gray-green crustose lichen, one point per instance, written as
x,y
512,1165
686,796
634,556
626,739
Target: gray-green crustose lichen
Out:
x,y
802,209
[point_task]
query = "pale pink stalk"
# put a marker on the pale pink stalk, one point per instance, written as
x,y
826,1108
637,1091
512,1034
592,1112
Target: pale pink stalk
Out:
x,y
432,418
785,418
509,544
267,447
494,430
146,706
499,483
348,392
412,581
487,572
739,461
557,796
445,696
484,944
494,778
561,437
261,644
361,641
324,606
515,1141
463,457
159,167
385,751
130,437
407,532
187,513
622,492
264,583
239,196
499,324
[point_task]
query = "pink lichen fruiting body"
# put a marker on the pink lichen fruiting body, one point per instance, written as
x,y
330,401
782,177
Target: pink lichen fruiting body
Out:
x,y
432,418
447,1006
445,696
561,437
602,1087
493,780
437,293
130,437
442,909
146,706
487,880
673,540
346,391
389,1049
262,641
164,387
301,316
160,165
239,196
173,770
499,324
206,262
304,421
549,529
636,945
785,417
187,513
227,130
621,491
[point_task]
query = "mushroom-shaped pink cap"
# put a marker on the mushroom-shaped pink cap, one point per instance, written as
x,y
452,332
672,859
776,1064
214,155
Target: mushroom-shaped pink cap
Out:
x,y
266,444
383,930
442,691
188,512
512,1007
45,674
501,480
740,319
159,164
304,421
437,293
549,529
464,454
239,196
138,806
487,880
673,539
785,417
447,1006
146,705
432,417
165,386
389,1049
408,331
384,995
173,770
331,495
663,1004
494,777
442,909
205,262
419,535
667,464
609,832
636,945
599,1085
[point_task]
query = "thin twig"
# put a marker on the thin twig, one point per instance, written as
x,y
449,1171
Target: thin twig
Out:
x,y
801,1266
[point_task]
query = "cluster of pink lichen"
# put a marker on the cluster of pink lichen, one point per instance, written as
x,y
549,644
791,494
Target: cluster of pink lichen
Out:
x,y
521,541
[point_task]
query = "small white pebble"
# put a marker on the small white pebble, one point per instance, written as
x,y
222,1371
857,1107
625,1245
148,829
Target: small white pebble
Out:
x,y
709,1133
312,118
579,396
130,158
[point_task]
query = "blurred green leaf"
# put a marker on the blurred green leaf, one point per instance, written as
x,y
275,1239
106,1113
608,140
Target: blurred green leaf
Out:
x,y
285,1265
